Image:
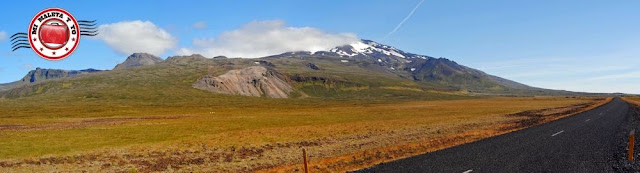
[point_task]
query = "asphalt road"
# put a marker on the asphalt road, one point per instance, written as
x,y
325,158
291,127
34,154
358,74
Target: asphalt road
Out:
x,y
587,142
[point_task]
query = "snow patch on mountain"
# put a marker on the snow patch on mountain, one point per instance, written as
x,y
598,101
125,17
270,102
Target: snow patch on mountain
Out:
x,y
342,52
368,48
361,47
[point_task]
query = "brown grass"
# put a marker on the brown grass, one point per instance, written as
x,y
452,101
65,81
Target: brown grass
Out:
x,y
632,100
375,156
337,137
81,123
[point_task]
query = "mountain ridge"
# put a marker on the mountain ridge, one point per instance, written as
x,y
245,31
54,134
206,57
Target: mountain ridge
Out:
x,y
362,67
40,74
137,60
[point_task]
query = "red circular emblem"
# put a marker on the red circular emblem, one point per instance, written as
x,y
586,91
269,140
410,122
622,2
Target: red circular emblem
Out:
x,y
54,34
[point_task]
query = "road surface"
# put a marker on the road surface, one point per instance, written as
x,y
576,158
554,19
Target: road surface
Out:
x,y
587,142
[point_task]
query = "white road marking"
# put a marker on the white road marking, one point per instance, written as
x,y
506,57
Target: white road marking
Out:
x,y
557,133
587,120
468,171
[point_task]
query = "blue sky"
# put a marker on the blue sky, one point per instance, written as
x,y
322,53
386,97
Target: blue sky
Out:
x,y
574,45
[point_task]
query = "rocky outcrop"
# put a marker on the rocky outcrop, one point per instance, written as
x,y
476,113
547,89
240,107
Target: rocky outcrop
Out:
x,y
220,57
313,66
138,59
251,81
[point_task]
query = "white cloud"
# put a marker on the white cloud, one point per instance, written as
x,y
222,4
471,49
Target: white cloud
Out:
x,y
200,25
629,75
264,38
3,35
136,36
607,72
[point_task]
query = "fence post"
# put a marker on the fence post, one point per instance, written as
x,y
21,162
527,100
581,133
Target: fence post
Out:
x,y
304,156
632,137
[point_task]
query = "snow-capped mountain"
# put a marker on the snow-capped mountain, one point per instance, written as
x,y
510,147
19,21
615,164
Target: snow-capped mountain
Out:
x,y
371,48
414,66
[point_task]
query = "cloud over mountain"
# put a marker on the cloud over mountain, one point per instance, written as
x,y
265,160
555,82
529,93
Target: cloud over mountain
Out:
x,y
262,38
129,37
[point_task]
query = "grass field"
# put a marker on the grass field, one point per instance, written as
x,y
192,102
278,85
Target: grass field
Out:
x,y
152,119
229,134
634,100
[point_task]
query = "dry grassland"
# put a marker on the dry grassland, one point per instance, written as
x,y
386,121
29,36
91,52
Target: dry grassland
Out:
x,y
338,137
